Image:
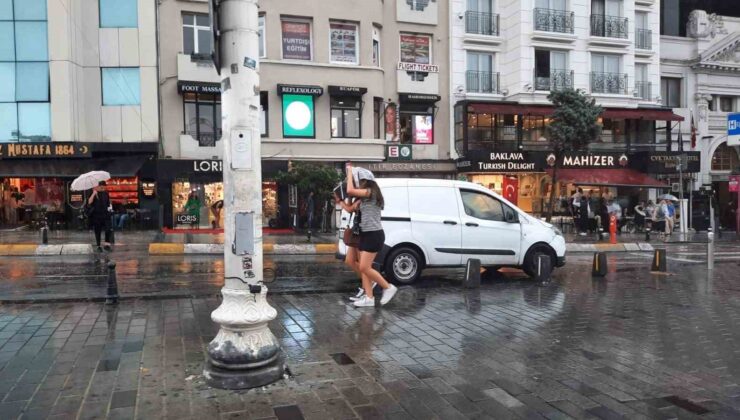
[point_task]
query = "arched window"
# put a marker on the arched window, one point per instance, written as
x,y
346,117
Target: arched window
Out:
x,y
725,158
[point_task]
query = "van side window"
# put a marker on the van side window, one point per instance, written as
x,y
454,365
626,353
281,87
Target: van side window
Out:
x,y
482,206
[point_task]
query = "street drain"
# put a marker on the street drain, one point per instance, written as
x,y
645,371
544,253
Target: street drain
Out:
x,y
686,404
342,359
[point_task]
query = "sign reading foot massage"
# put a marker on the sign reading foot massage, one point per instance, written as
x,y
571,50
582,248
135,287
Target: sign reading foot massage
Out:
x,y
298,110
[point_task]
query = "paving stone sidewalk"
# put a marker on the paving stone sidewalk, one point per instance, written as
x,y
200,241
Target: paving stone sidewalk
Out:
x,y
636,347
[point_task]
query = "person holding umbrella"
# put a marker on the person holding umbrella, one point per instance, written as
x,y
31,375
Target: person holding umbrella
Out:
x,y
99,212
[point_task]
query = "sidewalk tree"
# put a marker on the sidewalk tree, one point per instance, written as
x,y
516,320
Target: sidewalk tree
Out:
x,y
321,179
573,126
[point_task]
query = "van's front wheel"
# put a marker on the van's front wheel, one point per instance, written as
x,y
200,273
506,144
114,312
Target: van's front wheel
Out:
x,y
403,265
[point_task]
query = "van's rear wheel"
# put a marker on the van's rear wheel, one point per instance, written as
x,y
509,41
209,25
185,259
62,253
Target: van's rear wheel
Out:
x,y
403,265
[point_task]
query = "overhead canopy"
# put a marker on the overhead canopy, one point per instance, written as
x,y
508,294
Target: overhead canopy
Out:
x,y
126,166
652,114
608,177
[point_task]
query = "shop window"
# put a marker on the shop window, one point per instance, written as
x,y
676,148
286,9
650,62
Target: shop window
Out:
x,y
343,43
670,91
725,158
416,48
378,118
119,14
416,124
345,117
535,129
196,34
262,38
297,42
196,205
612,131
726,104
263,114
203,117
121,86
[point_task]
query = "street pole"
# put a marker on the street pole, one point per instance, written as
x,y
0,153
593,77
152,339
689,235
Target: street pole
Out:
x,y
244,353
682,226
710,235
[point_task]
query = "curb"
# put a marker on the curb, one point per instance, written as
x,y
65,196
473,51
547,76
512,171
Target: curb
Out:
x,y
623,247
214,249
8,250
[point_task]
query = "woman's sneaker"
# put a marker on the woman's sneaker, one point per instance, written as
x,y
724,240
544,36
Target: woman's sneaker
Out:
x,y
360,293
364,301
388,294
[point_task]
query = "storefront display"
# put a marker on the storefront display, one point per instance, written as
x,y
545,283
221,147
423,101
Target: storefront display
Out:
x,y
123,189
197,205
269,202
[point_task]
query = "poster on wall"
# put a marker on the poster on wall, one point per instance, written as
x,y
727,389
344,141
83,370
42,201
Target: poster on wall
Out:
x,y
390,123
343,42
415,49
296,40
423,131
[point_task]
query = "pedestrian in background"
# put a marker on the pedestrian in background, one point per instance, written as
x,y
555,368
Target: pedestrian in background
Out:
x,y
670,219
99,213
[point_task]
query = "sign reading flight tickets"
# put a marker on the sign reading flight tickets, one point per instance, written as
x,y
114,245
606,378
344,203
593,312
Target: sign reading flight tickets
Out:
x,y
733,129
296,40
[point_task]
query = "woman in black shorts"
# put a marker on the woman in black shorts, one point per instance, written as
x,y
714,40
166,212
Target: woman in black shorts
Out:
x,y
372,237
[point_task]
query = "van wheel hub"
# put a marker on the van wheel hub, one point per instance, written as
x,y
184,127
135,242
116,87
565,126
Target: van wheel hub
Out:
x,y
405,266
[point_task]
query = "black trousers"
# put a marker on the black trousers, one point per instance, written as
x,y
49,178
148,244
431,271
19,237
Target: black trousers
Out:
x,y
100,225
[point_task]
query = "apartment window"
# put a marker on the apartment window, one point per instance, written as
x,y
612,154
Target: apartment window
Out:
x,y
642,86
261,34
297,43
416,48
725,158
670,21
605,74
24,71
670,91
376,47
378,118
479,18
643,35
479,74
345,116
607,20
343,42
196,34
203,117
550,70
119,14
551,16
726,104
418,5
264,113
121,86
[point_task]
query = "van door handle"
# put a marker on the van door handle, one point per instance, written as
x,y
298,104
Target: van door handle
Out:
x,y
450,222
471,224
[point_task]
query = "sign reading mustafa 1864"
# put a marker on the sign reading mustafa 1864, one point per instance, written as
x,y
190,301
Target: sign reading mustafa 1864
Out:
x,y
44,150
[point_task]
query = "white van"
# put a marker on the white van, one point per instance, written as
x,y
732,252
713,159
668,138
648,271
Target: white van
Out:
x,y
444,223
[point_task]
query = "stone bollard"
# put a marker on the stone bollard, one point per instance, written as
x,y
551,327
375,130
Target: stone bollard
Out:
x,y
599,266
112,295
659,264
544,268
45,235
472,274
647,234
710,251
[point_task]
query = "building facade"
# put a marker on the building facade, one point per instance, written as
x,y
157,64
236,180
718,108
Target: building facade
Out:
x,y
339,81
700,79
506,57
79,93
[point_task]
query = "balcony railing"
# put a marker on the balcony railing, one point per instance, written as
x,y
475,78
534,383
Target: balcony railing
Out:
x,y
550,20
558,80
644,39
609,26
205,139
609,83
643,90
481,23
481,81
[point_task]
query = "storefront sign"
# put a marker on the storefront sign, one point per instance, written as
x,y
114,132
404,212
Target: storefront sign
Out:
x,y
198,87
734,183
44,150
347,90
398,152
502,162
148,189
187,219
667,162
300,90
589,160
208,166
298,116
423,68
423,129
410,166
418,97
296,40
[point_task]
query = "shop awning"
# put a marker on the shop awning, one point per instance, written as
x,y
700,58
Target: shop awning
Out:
x,y
642,114
608,177
125,166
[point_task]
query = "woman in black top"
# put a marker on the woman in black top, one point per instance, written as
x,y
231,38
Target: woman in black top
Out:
x,y
99,214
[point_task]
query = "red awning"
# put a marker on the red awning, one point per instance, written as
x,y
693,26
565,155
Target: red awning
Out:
x,y
546,111
608,177
641,114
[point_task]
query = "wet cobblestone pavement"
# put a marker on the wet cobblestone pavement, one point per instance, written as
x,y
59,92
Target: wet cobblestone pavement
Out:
x,y
633,345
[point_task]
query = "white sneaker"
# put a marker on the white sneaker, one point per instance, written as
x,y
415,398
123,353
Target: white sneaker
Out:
x,y
360,293
388,294
364,301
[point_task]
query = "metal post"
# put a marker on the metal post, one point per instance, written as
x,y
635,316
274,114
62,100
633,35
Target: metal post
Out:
x,y
710,236
244,353
44,235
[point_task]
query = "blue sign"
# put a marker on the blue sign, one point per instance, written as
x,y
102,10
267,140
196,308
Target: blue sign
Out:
x,y
733,129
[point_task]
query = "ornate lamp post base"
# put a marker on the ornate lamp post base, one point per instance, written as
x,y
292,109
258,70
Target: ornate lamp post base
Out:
x,y
244,353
